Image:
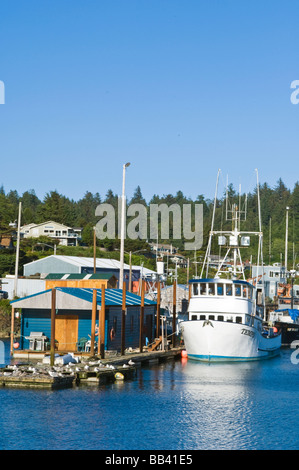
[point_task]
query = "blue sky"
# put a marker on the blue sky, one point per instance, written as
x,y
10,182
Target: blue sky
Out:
x,y
179,88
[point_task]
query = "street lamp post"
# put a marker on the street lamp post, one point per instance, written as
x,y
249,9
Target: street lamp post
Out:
x,y
286,240
122,232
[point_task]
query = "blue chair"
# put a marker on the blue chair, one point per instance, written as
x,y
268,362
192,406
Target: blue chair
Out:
x,y
81,344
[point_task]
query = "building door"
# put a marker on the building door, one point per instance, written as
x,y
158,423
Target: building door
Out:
x,y
66,332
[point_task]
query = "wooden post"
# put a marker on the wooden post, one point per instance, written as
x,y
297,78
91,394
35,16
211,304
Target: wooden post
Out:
x,y
141,317
130,275
123,322
12,330
94,251
158,310
174,315
101,340
93,320
53,309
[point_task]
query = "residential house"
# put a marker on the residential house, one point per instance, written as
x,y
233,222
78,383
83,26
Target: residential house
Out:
x,y
68,236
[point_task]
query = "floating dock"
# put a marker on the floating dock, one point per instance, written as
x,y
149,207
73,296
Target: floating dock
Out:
x,y
91,370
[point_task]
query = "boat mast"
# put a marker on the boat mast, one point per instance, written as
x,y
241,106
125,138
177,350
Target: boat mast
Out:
x,y
260,247
207,255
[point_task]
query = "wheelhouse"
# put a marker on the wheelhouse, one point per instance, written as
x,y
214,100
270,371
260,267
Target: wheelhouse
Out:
x,y
221,288
226,293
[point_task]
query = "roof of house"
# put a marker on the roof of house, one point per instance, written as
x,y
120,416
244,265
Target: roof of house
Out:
x,y
45,223
74,276
82,261
71,298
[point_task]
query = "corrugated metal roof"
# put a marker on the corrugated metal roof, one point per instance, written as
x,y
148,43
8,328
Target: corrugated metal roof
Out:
x,y
57,276
113,297
84,262
54,276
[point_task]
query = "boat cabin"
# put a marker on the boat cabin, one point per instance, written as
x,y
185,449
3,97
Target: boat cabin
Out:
x,y
221,288
224,300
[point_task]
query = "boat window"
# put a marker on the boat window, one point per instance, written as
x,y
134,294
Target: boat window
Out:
x,y
238,289
202,317
211,290
195,289
228,290
245,292
220,317
211,317
194,317
219,289
250,293
238,319
203,288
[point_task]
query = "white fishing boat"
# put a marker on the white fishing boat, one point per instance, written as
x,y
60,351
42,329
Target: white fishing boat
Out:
x,y
226,321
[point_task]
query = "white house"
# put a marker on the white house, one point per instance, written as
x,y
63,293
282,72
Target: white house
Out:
x,y
67,236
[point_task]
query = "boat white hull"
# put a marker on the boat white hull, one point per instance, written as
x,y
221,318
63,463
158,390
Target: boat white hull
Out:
x,y
216,341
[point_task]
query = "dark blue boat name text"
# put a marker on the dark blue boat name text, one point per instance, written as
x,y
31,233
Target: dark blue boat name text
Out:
x,y
247,332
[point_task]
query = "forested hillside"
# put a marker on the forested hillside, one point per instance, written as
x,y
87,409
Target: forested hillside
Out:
x,y
81,213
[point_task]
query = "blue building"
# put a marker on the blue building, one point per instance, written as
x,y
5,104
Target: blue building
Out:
x,y
73,318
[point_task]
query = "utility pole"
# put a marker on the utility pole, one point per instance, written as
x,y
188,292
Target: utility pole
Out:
x,y
17,252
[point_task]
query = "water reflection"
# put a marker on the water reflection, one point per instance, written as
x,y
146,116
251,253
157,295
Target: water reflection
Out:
x,y
216,403
178,405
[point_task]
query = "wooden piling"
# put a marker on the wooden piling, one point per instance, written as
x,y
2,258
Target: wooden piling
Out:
x,y
12,330
174,315
101,340
123,321
93,320
141,316
158,309
53,309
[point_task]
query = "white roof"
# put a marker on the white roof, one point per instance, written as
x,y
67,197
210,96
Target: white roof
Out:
x,y
89,262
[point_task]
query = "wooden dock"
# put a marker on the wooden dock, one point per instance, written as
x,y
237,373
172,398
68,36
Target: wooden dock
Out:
x,y
91,370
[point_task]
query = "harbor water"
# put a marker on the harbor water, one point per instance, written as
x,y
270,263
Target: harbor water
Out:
x,y
177,405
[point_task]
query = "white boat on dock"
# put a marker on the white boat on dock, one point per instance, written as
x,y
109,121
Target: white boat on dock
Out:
x,y
225,322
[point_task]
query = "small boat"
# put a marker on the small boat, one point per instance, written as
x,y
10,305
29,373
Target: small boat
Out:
x,y
226,313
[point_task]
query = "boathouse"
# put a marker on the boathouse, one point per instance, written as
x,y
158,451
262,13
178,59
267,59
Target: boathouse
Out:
x,y
73,319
